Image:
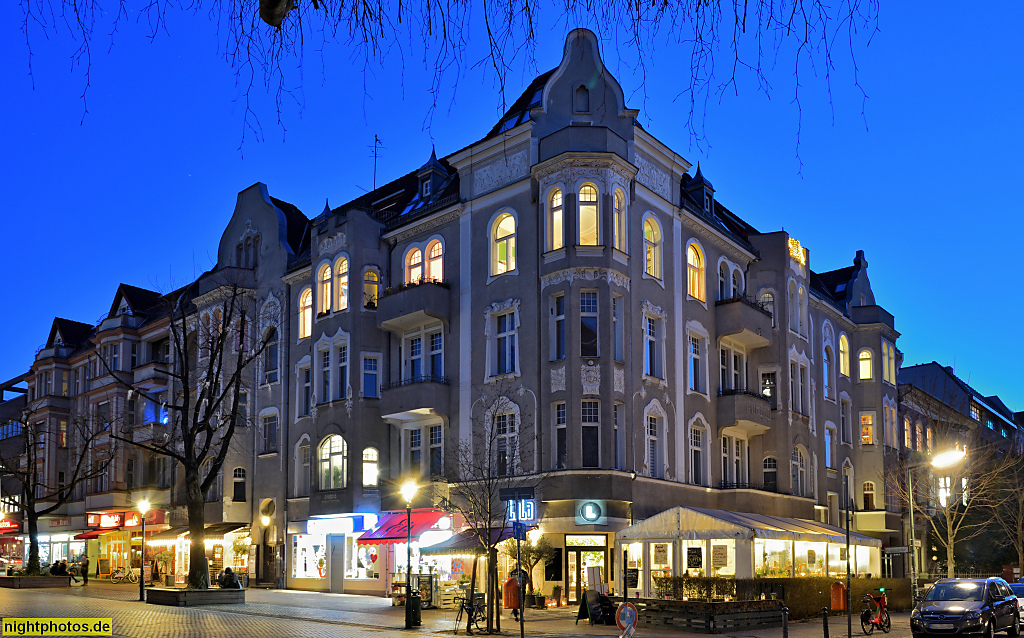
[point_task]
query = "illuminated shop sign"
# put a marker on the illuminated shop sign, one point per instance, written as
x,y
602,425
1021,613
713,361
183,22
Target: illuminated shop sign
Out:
x,y
591,512
524,511
113,519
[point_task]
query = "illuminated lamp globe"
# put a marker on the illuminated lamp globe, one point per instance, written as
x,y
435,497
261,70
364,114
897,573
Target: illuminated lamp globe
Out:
x,y
143,506
408,490
948,458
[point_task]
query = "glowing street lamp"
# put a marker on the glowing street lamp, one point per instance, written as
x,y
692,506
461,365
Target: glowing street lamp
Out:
x,y
944,459
143,508
408,492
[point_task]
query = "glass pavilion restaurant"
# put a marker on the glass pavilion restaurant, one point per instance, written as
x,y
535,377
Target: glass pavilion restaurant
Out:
x,y
705,542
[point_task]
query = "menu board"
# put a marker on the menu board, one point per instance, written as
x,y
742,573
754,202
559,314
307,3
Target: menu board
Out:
x,y
694,558
719,555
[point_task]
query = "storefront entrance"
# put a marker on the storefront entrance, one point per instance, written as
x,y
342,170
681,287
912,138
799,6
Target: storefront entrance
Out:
x,y
586,557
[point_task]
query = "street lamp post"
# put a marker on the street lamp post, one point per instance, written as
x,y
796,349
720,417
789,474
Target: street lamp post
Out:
x,y
942,459
408,491
143,508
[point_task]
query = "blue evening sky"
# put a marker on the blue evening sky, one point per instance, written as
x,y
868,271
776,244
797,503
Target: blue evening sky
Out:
x,y
140,189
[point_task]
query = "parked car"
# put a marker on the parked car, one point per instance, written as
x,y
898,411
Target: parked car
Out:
x,y
1018,591
966,606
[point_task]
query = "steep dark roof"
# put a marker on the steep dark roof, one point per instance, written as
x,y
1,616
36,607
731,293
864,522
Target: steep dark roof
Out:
x,y
298,225
140,300
835,281
519,112
943,384
73,333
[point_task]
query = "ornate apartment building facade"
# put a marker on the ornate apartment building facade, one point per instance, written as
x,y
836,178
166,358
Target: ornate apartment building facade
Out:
x,y
564,287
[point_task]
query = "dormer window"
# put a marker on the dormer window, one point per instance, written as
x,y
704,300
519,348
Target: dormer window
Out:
x,y
707,202
425,188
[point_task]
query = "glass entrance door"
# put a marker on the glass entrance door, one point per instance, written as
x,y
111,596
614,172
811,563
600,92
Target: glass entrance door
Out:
x,y
583,565
572,591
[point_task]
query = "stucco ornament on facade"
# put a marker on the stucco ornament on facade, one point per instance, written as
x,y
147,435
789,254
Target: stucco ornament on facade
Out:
x,y
608,170
250,230
499,307
653,177
619,380
590,376
332,243
500,172
650,309
558,379
585,274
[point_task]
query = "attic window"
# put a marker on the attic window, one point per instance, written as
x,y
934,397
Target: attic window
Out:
x,y
707,202
124,309
425,188
581,103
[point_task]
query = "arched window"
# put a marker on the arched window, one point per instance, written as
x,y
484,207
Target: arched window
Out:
x,y
828,370
619,221
371,471
324,277
503,244
371,288
698,455
652,458
414,266
652,248
724,291
305,313
581,102
695,268
737,284
771,474
864,363
768,303
341,284
556,221
238,485
869,495
588,226
435,261
892,364
802,297
333,463
844,356
302,469
793,309
799,472
271,357
908,435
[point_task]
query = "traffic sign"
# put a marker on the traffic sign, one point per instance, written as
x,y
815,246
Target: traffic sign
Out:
x,y
625,617
898,549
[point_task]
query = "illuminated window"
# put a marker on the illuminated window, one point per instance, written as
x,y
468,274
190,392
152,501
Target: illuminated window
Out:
x,y
864,362
435,261
867,429
695,268
371,470
341,284
305,313
619,221
588,226
908,435
371,289
975,412
414,266
503,244
652,248
844,356
556,221
333,463
324,289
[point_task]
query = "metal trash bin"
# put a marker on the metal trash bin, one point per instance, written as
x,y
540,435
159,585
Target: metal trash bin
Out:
x,y
415,608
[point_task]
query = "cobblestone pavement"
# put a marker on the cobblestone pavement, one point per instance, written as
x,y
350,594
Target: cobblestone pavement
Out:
x,y
280,613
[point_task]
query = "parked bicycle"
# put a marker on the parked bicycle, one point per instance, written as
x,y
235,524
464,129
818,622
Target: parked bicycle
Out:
x,y
473,611
124,574
875,613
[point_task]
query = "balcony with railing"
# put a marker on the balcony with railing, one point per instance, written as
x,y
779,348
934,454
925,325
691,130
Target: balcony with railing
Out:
x,y
152,375
409,305
746,410
744,320
420,395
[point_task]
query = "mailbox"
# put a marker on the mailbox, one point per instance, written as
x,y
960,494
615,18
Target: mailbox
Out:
x,y
838,596
510,594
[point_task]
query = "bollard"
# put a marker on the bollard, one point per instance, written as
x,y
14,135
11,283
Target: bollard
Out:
x,y
824,620
785,622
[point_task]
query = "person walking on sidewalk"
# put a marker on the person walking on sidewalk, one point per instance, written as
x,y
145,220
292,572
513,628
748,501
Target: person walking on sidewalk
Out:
x,y
85,570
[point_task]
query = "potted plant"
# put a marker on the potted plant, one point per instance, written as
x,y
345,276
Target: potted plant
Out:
x,y
556,591
163,562
531,598
542,601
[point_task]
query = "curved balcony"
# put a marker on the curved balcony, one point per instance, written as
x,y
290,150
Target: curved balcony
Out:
x,y
744,410
745,321
409,305
415,397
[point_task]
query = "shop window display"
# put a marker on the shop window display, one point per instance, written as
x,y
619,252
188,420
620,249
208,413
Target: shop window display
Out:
x,y
773,558
309,556
809,558
694,557
723,557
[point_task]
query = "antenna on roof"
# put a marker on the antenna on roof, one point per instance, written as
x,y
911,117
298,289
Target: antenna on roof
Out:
x,y
377,145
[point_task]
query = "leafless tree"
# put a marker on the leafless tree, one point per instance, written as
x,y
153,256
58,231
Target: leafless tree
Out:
x,y
210,362
1009,512
483,466
955,501
36,488
266,43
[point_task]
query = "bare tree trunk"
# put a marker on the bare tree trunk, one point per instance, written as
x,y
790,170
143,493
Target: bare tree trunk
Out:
x,y
472,596
950,560
497,589
33,539
198,568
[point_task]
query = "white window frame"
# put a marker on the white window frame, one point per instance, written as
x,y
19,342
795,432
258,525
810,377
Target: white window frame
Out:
x,y
491,314
369,356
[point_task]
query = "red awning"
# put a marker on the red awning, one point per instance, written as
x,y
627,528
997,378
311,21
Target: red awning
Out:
x,y
90,534
394,528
